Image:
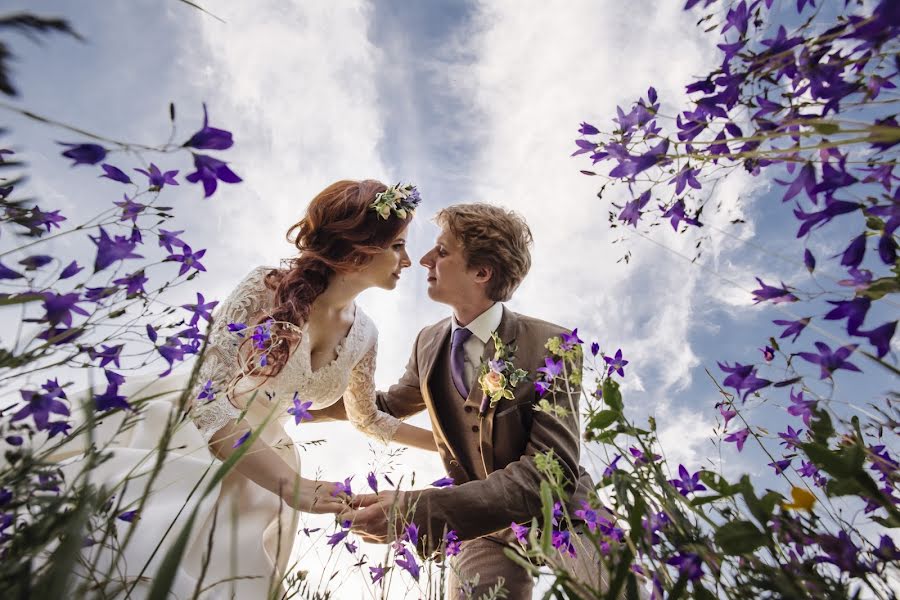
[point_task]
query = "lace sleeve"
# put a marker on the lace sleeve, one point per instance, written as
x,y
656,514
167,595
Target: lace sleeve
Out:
x,y
359,401
220,362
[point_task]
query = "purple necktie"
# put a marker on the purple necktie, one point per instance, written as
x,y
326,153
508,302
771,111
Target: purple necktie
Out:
x,y
458,360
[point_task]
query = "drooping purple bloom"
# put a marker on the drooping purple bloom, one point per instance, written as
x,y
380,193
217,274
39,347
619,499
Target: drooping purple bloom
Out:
x,y
443,482
300,410
855,252
595,348
411,534
743,377
775,294
687,483
880,337
114,173
7,273
377,573
111,399
726,413
59,308
521,532
210,171
793,328
453,545
343,488
853,310
833,208
128,516
167,239
685,177
561,540
738,437
842,552
408,563
109,354
631,214
809,260
36,261
158,179
617,363
801,408
588,129
541,387
207,392
39,407
84,154
629,165
14,440
336,538
70,270
372,481
829,361
612,466
111,250
676,215
210,138
188,259
134,283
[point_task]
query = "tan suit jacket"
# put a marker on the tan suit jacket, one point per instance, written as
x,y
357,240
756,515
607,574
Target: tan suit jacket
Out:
x,y
510,434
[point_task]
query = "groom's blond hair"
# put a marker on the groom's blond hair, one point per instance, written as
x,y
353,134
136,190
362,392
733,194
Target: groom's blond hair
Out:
x,y
491,237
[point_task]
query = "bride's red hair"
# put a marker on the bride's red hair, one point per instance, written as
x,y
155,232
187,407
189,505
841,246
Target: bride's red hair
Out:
x,y
340,233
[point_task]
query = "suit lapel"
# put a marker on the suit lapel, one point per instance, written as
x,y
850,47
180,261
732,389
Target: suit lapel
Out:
x,y
431,350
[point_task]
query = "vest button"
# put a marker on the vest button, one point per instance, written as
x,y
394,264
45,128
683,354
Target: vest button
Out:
x,y
475,428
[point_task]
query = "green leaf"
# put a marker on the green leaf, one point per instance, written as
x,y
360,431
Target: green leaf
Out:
x,y
716,482
547,506
603,419
881,287
739,537
890,521
611,394
825,127
842,487
821,428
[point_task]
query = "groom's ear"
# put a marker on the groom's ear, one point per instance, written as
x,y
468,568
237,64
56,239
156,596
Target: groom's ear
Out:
x,y
483,274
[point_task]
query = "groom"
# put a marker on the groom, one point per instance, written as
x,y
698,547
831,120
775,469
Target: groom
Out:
x,y
479,259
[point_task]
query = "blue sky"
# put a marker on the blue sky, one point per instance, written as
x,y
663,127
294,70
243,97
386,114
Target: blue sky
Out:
x,y
470,101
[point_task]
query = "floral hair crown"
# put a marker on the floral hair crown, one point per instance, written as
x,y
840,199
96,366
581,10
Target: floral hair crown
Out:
x,y
398,199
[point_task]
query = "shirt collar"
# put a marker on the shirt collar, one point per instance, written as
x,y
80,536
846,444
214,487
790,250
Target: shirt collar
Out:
x,y
484,324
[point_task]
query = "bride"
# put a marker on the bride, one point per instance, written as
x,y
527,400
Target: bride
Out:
x,y
286,340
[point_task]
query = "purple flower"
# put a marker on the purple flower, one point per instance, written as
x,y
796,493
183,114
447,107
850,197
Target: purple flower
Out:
x,y
167,239
833,208
39,407
806,180
616,364
7,273
159,179
676,215
115,173
207,392
243,439
791,438
853,310
776,295
130,210
631,214
70,270
743,377
551,368
809,260
688,564
35,262
188,259
886,550
570,340
411,534
128,516
685,177
738,437
726,414
801,408
377,573
641,457
629,165
860,279
111,250
794,328
84,154
200,309
14,440
210,171
612,467
59,308
110,399
588,129
562,542
443,482
210,138
768,354
830,361
407,562
372,481
854,253
342,488
595,348
521,532
589,516
780,465
453,545
109,354
542,387
336,538
300,410
880,337
687,483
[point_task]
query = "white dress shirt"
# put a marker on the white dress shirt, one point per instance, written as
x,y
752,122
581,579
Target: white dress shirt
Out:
x,y
481,327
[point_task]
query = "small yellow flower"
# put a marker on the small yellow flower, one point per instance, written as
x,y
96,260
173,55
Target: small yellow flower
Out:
x,y
802,499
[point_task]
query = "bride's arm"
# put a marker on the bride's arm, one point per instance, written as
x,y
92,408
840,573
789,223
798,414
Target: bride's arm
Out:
x,y
361,410
262,465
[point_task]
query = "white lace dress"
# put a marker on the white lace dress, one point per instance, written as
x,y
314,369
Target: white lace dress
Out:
x,y
252,531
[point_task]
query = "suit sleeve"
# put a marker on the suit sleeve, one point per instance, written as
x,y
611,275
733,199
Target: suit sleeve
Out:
x,y
404,398
512,494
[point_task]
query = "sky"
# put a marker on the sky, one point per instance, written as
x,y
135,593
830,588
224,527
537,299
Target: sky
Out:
x,y
471,101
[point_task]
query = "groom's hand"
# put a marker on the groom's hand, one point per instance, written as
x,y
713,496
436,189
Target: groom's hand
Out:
x,y
388,498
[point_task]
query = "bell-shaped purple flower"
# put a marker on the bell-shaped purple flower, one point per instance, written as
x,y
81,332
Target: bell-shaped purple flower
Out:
x,y
84,154
210,171
210,138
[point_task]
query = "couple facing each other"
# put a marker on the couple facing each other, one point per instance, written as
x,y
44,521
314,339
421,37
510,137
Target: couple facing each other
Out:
x,y
291,343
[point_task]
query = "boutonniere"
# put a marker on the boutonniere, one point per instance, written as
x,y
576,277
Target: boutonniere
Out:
x,y
499,377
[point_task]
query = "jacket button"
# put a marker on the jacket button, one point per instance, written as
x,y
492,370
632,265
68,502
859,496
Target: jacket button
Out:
x,y
468,409
475,428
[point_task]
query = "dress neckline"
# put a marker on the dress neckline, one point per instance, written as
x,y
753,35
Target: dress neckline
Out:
x,y
338,350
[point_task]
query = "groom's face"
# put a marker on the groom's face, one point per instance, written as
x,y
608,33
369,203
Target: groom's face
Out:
x,y
450,281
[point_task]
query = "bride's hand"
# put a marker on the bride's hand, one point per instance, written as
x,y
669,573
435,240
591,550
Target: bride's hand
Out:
x,y
316,497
